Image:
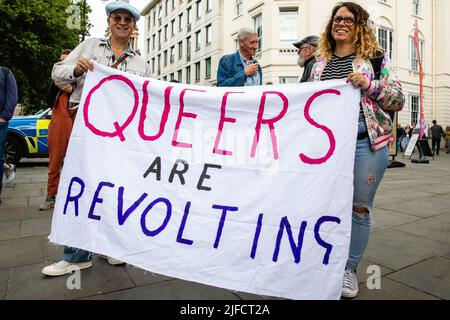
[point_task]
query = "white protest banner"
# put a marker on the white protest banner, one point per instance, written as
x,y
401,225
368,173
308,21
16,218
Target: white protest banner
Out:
x,y
247,188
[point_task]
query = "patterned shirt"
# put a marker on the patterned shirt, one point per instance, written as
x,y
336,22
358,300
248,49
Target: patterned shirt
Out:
x,y
255,79
100,51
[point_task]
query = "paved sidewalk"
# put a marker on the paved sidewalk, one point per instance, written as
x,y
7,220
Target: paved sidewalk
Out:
x,y
410,243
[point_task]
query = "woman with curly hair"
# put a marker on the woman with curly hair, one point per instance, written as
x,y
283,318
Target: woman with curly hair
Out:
x,y
347,50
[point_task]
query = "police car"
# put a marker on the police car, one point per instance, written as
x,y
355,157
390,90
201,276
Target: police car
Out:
x,y
27,136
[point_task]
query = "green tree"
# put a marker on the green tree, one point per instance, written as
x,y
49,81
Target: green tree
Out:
x,y
34,33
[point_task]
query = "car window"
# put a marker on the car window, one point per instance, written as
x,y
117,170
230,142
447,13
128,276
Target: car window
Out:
x,y
45,114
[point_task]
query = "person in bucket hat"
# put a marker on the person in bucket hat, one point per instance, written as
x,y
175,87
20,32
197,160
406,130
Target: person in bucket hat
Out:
x,y
115,52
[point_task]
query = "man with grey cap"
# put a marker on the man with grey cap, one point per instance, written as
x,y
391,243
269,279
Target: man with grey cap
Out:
x,y
115,52
306,50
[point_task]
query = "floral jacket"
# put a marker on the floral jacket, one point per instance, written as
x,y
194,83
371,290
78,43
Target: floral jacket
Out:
x,y
383,95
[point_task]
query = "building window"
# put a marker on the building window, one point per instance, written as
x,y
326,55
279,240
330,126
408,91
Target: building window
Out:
x,y
416,7
386,39
153,41
188,47
172,54
166,11
173,4
148,45
414,103
288,80
197,72
180,50
288,26
413,54
239,6
180,22
198,9
208,5
189,16
160,15
208,34
153,65
180,76
165,78
188,75
159,64
154,17
257,21
197,40
172,76
208,68
172,27
149,22
166,27
165,58
159,40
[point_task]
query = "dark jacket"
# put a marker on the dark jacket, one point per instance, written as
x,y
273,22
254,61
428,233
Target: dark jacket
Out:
x,y
231,71
436,131
8,94
52,94
307,70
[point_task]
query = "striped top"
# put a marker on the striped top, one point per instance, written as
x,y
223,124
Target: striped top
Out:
x,y
338,68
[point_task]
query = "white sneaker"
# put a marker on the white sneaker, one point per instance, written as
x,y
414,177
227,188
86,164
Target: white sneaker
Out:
x,y
112,261
350,284
10,174
63,267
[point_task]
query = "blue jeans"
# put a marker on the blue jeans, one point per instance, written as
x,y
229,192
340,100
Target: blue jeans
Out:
x,y
75,255
3,134
368,171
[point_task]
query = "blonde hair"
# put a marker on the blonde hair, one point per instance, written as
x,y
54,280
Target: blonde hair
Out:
x,y
366,44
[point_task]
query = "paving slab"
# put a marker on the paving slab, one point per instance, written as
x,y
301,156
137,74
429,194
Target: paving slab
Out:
x,y
4,276
392,290
22,188
36,201
9,230
441,188
172,289
397,249
384,219
421,208
27,282
53,252
431,276
21,252
436,228
14,202
35,227
142,277
12,193
14,214
400,195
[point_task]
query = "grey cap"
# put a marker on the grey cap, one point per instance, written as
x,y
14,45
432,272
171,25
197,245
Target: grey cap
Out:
x,y
311,40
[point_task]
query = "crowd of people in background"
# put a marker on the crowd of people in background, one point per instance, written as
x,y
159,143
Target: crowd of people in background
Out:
x,y
435,133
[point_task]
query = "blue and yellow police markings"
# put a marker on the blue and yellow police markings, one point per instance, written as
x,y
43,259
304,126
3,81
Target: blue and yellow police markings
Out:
x,y
37,139
42,135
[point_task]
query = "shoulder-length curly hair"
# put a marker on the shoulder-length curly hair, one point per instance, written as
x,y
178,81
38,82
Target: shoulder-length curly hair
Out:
x,y
366,44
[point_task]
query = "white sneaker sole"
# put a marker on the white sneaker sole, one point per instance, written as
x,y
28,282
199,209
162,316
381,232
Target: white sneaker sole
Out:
x,y
70,269
349,294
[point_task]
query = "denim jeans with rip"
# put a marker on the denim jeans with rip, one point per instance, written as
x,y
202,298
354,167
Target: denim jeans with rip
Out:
x,y
368,172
